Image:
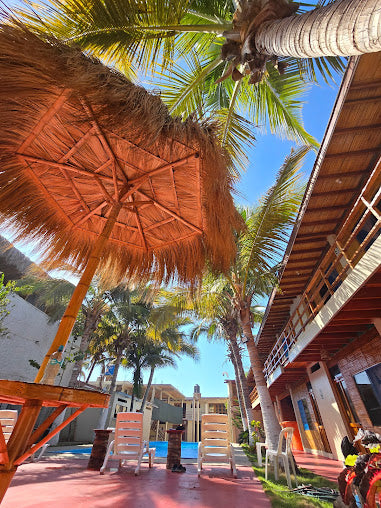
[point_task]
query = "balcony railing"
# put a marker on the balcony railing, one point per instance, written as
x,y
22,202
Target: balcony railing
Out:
x,y
358,233
253,395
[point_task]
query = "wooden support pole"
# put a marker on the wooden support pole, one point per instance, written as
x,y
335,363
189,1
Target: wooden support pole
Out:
x,y
71,313
6,476
47,438
46,424
23,429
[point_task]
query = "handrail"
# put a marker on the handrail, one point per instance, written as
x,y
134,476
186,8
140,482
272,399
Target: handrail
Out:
x,y
359,231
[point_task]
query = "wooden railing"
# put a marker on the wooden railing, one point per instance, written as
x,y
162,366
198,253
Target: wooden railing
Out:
x,y
253,394
360,230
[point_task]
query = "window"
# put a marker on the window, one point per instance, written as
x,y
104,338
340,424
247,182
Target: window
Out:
x,y
369,386
217,409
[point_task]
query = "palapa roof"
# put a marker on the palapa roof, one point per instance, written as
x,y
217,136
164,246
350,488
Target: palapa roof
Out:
x,y
349,153
76,136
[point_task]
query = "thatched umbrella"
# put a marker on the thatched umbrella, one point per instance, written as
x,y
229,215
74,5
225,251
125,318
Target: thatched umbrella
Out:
x,y
95,169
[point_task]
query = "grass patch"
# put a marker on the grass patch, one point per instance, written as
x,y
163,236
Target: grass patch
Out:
x,y
278,493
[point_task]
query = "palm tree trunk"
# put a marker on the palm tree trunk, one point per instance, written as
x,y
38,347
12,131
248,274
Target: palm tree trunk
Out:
x,y
243,381
270,422
342,28
239,390
144,401
91,371
90,326
115,374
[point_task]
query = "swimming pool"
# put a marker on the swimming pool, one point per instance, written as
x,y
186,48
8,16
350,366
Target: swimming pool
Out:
x,y
188,449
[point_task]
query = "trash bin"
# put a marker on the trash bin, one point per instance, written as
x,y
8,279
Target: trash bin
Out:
x,y
296,443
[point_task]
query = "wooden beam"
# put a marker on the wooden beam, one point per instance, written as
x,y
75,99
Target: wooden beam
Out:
x,y
91,213
173,214
373,98
334,220
68,167
368,292
349,190
46,117
357,129
303,251
327,208
169,166
365,304
102,137
352,315
369,83
158,224
352,153
313,237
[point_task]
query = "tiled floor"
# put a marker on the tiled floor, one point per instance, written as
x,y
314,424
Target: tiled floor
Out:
x,y
66,483
63,482
322,466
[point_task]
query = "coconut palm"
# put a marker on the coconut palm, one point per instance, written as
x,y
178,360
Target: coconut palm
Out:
x,y
247,40
212,306
185,39
254,272
53,295
152,354
122,325
215,303
148,30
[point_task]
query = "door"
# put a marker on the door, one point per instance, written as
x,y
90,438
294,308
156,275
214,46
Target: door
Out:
x,y
328,407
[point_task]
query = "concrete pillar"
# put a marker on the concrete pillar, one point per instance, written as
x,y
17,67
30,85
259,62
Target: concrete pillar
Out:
x,y
193,419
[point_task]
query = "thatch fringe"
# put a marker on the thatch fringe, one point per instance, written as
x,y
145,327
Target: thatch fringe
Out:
x,y
35,74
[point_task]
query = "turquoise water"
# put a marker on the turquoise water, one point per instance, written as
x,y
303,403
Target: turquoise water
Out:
x,y
188,450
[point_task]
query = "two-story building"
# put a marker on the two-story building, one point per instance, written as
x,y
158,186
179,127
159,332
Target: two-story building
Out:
x,y
321,336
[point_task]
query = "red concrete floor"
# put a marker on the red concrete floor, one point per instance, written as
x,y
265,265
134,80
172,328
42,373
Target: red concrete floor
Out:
x,y
322,466
66,483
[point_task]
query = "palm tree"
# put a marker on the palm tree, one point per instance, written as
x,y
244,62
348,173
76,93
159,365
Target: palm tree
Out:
x,y
254,272
247,40
163,354
53,295
97,353
212,304
122,325
185,40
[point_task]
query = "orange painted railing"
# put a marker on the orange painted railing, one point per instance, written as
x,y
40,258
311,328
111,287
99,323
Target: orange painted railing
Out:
x,y
358,233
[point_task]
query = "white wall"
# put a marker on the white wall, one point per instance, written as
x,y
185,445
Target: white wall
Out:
x,y
29,337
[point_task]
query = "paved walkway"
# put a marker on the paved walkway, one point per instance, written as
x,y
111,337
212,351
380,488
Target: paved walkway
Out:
x,y
63,483
322,466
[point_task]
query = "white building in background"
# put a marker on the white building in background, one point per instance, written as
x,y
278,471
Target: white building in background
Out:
x,y
28,337
29,331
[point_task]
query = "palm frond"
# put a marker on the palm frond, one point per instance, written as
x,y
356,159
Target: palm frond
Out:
x,y
268,225
275,103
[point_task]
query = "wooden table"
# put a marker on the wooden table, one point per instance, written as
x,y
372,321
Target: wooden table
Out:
x,y
32,397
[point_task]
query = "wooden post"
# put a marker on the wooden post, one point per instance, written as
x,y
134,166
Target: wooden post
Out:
x,y
71,313
17,442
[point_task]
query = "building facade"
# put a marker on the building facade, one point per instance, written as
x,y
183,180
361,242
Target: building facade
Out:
x,y
320,339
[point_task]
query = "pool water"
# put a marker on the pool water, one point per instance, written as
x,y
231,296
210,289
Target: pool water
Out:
x,y
188,449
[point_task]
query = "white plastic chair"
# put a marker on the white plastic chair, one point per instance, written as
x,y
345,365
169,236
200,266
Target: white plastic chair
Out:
x,y
8,419
214,445
285,456
259,447
128,443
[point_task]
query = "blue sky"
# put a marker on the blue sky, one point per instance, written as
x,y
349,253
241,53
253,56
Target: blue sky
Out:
x,y
265,158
